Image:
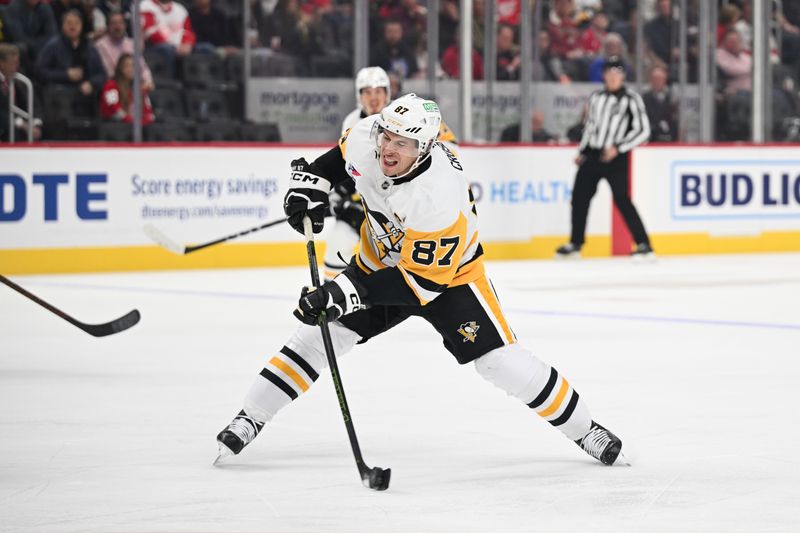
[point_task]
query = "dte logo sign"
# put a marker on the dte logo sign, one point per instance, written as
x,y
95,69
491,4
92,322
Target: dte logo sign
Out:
x,y
15,193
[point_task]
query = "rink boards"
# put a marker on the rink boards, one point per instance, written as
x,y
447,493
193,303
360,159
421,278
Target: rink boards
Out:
x,y
73,209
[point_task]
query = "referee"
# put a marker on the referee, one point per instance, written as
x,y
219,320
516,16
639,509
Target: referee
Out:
x,y
615,124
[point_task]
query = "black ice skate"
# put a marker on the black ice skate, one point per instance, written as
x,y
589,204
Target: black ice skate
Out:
x,y
237,435
643,250
603,445
568,250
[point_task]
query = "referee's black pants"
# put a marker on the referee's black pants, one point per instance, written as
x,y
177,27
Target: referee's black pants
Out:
x,y
590,172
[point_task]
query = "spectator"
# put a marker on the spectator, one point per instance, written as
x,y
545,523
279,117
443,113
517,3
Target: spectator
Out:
x,y
658,33
508,11
211,27
508,57
409,13
729,15
661,109
575,132
29,24
167,29
538,133
96,18
613,46
449,18
116,100
626,27
9,66
392,52
294,31
744,25
60,8
115,43
550,67
70,58
734,64
107,7
452,66
790,33
563,30
592,38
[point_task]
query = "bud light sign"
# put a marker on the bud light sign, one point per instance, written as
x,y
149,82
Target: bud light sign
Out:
x,y
735,189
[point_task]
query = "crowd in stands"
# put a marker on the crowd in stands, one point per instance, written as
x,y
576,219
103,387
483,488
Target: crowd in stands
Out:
x,y
74,51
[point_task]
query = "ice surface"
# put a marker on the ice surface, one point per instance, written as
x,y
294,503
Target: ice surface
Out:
x,y
694,362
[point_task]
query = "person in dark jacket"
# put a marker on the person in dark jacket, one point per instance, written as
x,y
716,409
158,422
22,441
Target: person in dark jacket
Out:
x,y
29,25
538,133
661,109
212,28
71,59
392,53
9,65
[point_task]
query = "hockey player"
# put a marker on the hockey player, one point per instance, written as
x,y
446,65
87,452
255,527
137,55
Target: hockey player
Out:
x,y
372,95
419,256
373,88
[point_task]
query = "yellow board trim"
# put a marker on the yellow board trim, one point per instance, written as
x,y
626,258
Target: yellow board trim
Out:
x,y
256,255
562,393
289,371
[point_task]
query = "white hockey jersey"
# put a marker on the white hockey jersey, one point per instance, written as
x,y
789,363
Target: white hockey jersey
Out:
x,y
426,227
351,119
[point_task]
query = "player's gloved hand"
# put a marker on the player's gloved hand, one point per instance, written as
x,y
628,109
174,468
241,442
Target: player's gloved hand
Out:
x,y
349,210
338,297
307,195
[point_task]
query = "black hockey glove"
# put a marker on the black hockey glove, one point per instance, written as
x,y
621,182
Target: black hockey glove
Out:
x,y
349,210
308,195
337,298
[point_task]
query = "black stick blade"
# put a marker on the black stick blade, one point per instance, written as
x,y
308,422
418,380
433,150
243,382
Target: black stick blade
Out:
x,y
115,326
377,478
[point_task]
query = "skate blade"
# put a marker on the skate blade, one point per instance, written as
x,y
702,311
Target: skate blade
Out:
x,y
644,258
224,453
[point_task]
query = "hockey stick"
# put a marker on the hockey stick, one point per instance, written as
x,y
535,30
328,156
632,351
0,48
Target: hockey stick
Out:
x,y
373,478
96,330
162,239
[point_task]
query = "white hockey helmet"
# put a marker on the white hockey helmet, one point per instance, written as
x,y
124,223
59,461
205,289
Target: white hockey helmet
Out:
x,y
415,118
372,77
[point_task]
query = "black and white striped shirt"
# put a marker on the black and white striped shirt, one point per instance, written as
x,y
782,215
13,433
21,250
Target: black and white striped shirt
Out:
x,y
615,119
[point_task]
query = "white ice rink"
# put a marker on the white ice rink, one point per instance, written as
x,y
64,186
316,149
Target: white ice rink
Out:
x,y
694,362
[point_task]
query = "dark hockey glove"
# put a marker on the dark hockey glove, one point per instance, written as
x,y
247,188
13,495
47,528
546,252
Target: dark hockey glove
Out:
x,y
349,210
308,195
336,298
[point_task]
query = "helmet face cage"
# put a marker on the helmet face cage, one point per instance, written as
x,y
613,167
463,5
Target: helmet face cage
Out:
x,y
412,117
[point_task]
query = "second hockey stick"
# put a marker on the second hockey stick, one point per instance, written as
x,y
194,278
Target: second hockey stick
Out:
x,y
374,478
181,249
97,330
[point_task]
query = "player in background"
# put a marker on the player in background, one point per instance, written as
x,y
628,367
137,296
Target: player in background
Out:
x,y
373,90
419,255
372,95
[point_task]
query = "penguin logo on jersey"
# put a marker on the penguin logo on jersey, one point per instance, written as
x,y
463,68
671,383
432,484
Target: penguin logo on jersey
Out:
x,y
469,331
388,238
